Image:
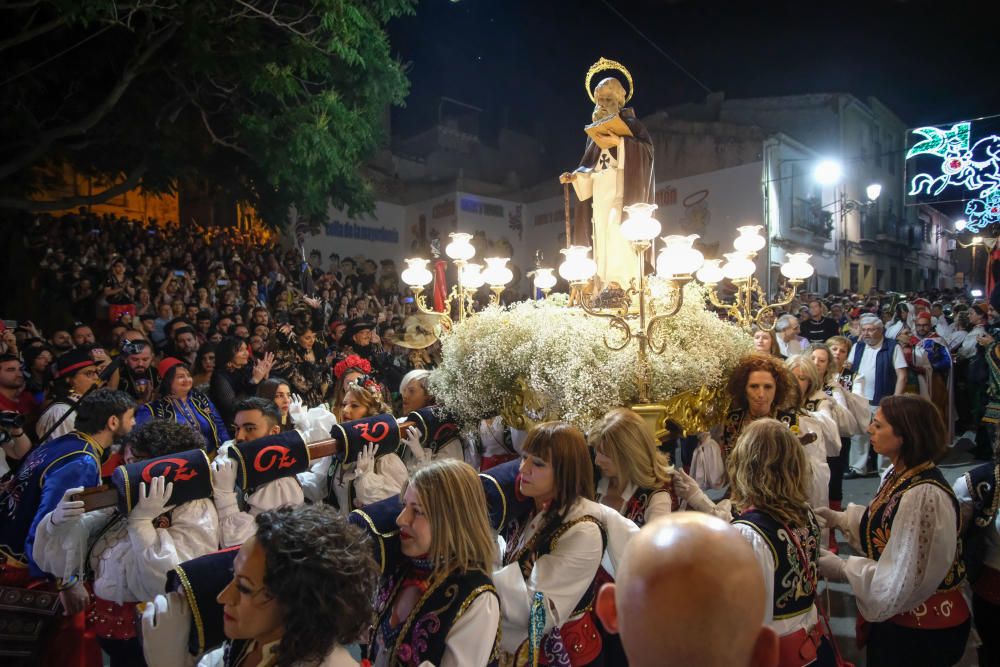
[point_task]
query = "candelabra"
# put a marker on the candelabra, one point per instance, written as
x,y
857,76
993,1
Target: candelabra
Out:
x,y
637,315
750,306
471,276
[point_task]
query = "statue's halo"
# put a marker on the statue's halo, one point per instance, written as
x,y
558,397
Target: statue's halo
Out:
x,y
604,65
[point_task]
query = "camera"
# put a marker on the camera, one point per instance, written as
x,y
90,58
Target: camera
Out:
x,y
130,347
11,419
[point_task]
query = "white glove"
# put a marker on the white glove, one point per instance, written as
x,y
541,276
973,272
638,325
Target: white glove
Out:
x,y
224,472
315,424
68,510
366,460
831,566
412,442
688,489
296,411
829,518
152,500
166,624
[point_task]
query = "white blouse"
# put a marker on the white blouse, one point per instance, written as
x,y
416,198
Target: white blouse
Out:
x,y
237,526
916,559
660,503
131,559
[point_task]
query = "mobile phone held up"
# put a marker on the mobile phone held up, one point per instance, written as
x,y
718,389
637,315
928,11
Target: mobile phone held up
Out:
x,y
408,299
222,283
179,273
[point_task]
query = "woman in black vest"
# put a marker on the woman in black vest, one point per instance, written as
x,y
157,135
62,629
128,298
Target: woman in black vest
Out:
x,y
770,474
439,606
908,581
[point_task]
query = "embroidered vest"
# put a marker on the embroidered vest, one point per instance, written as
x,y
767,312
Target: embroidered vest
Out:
x,y
738,418
423,635
635,508
166,408
876,523
22,496
794,561
982,482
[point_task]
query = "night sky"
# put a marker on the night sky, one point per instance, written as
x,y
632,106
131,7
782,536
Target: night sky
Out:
x,y
929,61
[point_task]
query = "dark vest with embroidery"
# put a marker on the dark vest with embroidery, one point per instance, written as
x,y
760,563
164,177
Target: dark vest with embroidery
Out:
x,y
635,508
982,482
794,580
20,500
738,418
423,635
876,523
164,409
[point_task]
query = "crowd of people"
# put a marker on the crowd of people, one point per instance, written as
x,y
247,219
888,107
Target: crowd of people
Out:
x,y
281,487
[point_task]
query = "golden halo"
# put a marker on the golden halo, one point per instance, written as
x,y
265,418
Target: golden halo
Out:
x,y
603,65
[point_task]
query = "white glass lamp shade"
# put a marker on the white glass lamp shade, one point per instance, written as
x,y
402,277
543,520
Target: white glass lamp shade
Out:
x,y
577,267
544,279
750,239
678,256
738,266
460,247
472,276
640,225
710,272
797,266
873,191
416,273
496,272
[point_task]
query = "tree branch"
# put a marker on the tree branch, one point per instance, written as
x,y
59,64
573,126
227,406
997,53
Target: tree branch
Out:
x,y
39,206
84,124
31,34
215,138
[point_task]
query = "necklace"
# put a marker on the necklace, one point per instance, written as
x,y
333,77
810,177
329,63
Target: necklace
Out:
x,y
185,409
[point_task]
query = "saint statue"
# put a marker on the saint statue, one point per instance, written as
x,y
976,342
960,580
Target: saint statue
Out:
x,y
616,171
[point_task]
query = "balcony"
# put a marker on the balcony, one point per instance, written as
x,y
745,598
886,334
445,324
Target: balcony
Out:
x,y
885,229
808,215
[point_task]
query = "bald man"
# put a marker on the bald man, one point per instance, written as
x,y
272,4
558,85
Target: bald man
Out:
x,y
689,592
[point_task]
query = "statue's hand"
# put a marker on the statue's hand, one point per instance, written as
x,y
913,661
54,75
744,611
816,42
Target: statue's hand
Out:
x,y
567,177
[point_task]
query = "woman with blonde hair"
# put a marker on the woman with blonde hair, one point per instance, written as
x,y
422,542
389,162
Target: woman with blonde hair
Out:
x,y
815,416
440,606
416,394
636,477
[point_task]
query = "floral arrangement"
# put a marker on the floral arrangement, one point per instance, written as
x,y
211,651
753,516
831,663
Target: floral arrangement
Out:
x,y
559,355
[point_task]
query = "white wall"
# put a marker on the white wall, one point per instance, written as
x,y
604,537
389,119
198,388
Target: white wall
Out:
x,y
378,236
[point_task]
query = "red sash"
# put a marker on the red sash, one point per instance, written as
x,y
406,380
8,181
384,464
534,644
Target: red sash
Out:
x,y
799,648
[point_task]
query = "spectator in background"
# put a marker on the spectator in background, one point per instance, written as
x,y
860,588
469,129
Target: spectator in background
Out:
x,y
818,327
234,379
75,374
789,341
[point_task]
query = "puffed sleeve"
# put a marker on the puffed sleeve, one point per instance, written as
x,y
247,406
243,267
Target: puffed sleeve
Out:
x,y
193,532
562,577
659,505
388,479
235,526
450,450
62,550
470,642
314,480
707,467
75,471
214,658
965,502
915,561
765,558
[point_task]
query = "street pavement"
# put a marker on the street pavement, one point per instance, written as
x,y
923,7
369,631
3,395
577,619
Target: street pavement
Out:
x,y
842,606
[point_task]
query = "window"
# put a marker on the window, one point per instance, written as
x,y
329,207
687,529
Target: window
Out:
x,y
893,278
879,278
854,277
907,279
893,155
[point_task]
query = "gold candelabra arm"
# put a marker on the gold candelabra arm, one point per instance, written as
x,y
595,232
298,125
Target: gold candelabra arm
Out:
x,y
495,297
590,310
622,325
772,307
732,309
676,308
421,303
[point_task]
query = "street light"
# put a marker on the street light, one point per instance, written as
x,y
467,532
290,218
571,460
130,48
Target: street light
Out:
x,y
960,225
828,172
873,191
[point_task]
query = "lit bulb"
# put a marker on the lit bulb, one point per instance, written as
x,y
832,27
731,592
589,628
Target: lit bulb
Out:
x,y
460,247
750,239
577,267
472,276
640,224
797,266
710,272
416,273
544,279
738,266
678,256
496,272
828,172
873,191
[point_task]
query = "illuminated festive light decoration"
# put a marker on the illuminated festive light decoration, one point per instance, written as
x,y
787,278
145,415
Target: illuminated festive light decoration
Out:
x,y
983,211
965,165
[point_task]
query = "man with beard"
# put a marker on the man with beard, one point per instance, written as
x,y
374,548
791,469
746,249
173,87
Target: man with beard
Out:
x,y
13,397
932,364
61,342
186,345
83,336
137,377
616,171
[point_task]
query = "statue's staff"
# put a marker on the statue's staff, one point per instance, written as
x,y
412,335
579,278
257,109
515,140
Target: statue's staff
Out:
x,y
569,239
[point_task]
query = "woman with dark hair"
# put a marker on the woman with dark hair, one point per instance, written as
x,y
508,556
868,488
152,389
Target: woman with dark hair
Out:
x,y
204,366
277,390
908,580
180,402
302,590
36,364
234,379
301,359
548,583
760,386
440,606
